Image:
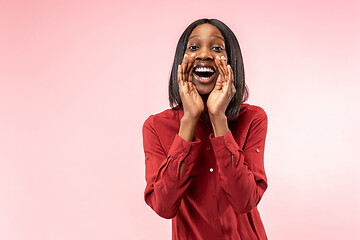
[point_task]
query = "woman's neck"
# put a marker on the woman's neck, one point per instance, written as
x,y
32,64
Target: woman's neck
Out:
x,y
205,115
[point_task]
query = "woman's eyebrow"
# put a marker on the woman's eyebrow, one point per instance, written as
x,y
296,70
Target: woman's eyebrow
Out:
x,y
210,36
217,37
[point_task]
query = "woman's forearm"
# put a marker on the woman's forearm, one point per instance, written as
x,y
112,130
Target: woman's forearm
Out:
x,y
186,132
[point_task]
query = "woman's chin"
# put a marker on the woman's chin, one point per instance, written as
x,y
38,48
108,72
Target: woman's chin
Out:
x,y
204,89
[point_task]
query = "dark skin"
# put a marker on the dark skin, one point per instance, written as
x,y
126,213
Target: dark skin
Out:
x,y
205,100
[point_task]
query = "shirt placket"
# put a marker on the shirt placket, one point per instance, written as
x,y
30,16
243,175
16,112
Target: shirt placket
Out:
x,y
204,130
214,180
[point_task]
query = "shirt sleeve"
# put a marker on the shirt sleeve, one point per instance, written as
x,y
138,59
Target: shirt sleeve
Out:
x,y
164,188
241,171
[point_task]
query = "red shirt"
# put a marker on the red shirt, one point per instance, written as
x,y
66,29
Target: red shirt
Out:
x,y
223,179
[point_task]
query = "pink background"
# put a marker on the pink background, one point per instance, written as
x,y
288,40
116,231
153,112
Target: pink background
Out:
x,y
78,79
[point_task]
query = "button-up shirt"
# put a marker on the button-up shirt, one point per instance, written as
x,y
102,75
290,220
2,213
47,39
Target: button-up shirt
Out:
x,y
223,179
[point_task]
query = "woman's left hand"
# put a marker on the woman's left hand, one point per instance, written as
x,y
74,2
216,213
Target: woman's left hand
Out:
x,y
223,91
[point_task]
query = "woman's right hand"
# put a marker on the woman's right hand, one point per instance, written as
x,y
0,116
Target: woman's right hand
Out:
x,y
192,102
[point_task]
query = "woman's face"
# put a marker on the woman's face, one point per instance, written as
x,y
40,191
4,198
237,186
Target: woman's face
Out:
x,y
207,42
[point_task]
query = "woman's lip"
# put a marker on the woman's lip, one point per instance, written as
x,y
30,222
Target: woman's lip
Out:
x,y
204,80
205,66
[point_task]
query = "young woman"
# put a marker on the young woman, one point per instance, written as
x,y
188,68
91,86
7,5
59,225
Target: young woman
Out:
x,y
204,157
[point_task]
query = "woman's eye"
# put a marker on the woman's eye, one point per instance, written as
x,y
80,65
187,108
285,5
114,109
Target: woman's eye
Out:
x,y
193,48
218,48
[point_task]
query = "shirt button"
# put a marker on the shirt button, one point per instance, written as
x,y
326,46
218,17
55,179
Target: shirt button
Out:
x,y
211,169
258,150
208,148
217,219
228,143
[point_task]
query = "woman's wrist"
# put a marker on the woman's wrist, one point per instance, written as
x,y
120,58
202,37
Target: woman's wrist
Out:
x,y
187,128
219,124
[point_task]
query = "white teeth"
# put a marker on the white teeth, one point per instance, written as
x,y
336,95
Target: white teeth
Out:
x,y
203,69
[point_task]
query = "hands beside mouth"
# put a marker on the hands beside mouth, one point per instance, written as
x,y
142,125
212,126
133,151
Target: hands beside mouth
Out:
x,y
217,101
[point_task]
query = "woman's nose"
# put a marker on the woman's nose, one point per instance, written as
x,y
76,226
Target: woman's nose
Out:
x,y
204,54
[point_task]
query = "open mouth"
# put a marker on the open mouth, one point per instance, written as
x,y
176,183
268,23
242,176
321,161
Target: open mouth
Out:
x,y
204,74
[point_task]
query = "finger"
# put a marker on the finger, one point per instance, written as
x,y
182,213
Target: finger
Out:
x,y
192,87
179,73
180,82
224,66
218,84
223,72
189,66
221,68
188,63
192,60
184,59
190,74
230,83
184,67
231,76
221,78
180,79
182,74
228,79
